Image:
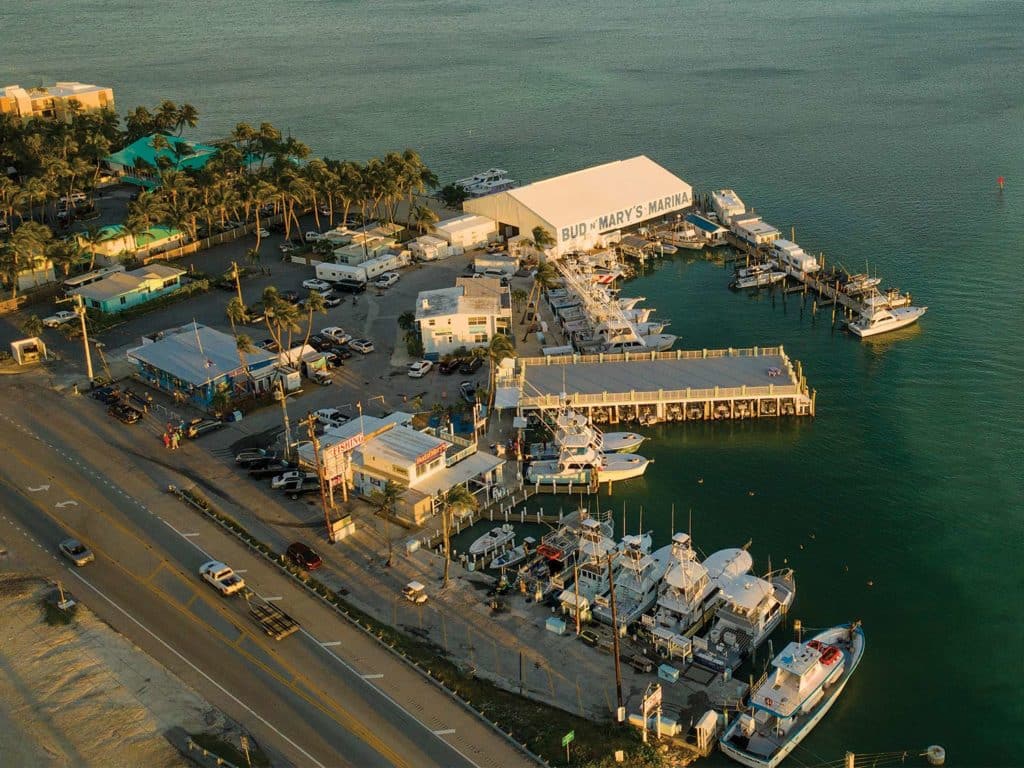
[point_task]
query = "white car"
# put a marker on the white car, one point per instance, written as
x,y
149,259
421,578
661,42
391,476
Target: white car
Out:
x,y
336,334
291,476
312,237
263,233
330,417
420,369
317,285
59,318
221,578
386,280
363,346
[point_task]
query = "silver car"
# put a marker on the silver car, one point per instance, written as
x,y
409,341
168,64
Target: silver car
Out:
x,y
76,552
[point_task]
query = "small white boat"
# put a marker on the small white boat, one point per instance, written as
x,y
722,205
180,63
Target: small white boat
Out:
x,y
758,280
492,540
667,249
515,555
792,700
620,442
882,320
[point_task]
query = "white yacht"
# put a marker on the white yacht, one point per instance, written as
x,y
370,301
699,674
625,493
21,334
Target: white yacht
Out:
x,y
882,318
757,269
579,451
494,539
491,180
660,342
637,577
806,681
749,610
630,302
686,592
758,280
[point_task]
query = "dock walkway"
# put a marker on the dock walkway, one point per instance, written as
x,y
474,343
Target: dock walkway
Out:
x,y
706,384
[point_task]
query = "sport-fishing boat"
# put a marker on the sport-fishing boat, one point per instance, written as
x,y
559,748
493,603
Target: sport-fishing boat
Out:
x,y
806,681
882,319
579,469
660,342
860,284
749,609
491,180
686,591
757,269
630,302
636,582
496,538
667,248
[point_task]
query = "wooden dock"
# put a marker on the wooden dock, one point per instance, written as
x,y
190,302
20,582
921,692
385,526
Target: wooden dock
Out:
x,y
695,385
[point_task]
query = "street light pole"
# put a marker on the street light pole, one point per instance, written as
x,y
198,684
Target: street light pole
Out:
x,y
80,311
615,637
311,426
284,415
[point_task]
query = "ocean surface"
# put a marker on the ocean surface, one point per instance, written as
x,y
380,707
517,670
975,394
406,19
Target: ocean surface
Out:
x,y
876,130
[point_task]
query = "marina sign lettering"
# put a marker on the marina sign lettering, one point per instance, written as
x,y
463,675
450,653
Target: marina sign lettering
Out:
x,y
629,215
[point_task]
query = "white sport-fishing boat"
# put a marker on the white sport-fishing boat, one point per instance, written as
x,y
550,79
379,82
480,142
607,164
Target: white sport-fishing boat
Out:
x,y
620,442
686,591
659,342
496,538
611,467
860,284
630,302
516,555
805,683
592,560
637,576
686,237
758,280
638,314
882,319
757,269
491,180
749,610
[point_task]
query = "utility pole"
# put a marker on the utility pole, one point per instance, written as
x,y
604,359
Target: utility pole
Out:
x,y
238,282
615,639
80,311
311,426
576,589
284,415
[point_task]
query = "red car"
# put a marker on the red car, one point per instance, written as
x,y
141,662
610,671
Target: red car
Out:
x,y
302,556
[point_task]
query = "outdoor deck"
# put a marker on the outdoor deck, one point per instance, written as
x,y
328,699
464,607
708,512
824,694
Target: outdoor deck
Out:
x,y
667,386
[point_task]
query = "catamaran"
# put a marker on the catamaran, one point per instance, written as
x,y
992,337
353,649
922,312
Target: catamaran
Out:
x,y
785,707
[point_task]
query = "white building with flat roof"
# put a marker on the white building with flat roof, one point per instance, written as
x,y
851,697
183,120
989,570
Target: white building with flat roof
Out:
x,y
753,230
467,231
581,209
54,102
468,315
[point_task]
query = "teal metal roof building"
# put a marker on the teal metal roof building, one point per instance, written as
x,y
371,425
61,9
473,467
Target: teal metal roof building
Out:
x,y
140,161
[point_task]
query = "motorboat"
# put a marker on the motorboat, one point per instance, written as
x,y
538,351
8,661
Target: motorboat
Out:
x,y
612,467
882,319
667,249
686,591
630,302
485,183
635,583
856,284
749,609
620,442
592,570
659,342
516,555
806,680
757,269
494,539
758,280
686,237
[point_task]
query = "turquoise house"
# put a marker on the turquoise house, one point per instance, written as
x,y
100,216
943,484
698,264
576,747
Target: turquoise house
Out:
x,y
139,163
125,290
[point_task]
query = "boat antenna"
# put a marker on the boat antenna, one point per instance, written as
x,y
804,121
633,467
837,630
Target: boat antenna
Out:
x,y
798,627
690,525
623,517
641,531
672,528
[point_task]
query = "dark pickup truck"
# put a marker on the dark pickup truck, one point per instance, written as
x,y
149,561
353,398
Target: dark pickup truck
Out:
x,y
272,469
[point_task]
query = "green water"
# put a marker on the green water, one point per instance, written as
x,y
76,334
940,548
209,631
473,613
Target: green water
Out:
x,y
876,129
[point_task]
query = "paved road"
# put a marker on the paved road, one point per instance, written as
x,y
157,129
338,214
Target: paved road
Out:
x,y
327,696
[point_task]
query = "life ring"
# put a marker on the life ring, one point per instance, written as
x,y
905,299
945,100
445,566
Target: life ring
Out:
x,y
768,701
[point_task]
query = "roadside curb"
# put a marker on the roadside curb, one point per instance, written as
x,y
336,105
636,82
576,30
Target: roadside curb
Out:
x,y
322,592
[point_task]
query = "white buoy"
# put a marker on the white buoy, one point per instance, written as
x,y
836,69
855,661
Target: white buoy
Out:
x,y
936,755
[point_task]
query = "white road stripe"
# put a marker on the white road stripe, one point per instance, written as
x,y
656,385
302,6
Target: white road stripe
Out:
x,y
377,676
331,643
189,535
197,669
445,732
273,599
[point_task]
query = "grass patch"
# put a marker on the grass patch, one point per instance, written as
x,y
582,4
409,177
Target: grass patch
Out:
x,y
231,752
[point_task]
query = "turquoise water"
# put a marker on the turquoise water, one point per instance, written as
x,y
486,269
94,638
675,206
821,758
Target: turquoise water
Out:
x,y
876,130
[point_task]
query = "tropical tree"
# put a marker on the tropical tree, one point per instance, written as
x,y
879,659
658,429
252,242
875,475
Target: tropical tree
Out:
x,y
22,250
453,195
32,326
281,317
457,497
545,277
519,297
65,254
384,501
314,303
187,116
407,320
423,216
500,347
542,238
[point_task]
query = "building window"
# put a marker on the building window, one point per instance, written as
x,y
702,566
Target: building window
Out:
x,y
124,299
431,322
477,321
170,282
479,338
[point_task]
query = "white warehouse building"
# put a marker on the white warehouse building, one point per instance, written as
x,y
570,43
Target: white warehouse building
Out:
x,y
581,209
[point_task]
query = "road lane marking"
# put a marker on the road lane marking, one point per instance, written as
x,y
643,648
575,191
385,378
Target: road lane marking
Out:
x,y
189,535
273,599
220,687
40,488
68,503
376,676
444,732
185,536
330,643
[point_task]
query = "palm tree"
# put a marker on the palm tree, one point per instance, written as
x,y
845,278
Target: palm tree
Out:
x,y
384,501
282,317
187,115
542,238
407,321
91,240
545,277
32,326
25,248
314,303
245,346
501,346
519,297
65,254
457,497
424,216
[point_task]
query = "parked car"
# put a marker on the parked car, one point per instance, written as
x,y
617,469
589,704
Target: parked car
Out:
x,y
331,417
59,318
386,280
221,577
76,552
263,233
322,377
225,284
314,284
271,469
313,236
349,285
199,427
364,346
471,365
319,342
335,334
332,301
291,476
294,490
467,389
256,457
290,296
287,247
342,351
420,369
589,637
448,367
124,413
334,360
303,556
107,395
